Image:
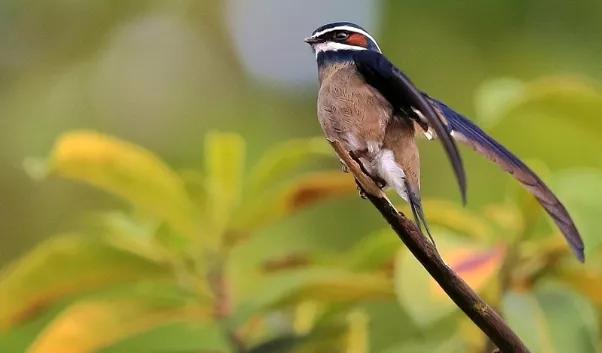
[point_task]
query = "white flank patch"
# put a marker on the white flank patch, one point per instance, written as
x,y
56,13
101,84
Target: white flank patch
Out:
x,y
333,46
391,172
373,146
347,28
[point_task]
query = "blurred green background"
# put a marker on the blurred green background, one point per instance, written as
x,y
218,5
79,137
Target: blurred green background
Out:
x,y
163,74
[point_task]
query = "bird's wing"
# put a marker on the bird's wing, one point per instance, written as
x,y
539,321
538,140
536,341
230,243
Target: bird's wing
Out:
x,y
466,132
381,74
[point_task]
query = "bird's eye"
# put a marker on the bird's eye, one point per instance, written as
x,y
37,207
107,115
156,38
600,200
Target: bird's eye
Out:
x,y
340,36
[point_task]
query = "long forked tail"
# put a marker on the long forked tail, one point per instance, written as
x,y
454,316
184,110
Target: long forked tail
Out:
x,y
466,132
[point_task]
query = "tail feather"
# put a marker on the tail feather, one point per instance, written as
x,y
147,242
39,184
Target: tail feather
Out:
x,y
419,218
465,131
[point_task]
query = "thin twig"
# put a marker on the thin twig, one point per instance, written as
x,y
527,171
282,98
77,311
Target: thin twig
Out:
x,y
488,321
222,305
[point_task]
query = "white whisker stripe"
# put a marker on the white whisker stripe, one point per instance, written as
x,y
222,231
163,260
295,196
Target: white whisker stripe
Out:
x,y
347,28
333,46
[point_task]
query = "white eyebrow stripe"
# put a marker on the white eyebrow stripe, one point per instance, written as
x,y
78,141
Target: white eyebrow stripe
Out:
x,y
347,28
333,46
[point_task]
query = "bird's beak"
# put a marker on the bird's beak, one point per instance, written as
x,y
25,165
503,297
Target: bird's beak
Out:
x,y
312,40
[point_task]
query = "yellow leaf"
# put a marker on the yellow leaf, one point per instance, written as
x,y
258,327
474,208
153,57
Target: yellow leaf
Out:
x,y
376,251
89,326
587,280
317,187
303,192
475,266
306,314
285,157
224,164
348,288
127,171
422,297
314,284
358,335
457,219
61,267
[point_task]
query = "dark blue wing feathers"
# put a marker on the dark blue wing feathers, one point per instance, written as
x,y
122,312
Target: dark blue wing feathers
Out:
x,y
397,88
467,132
457,122
446,123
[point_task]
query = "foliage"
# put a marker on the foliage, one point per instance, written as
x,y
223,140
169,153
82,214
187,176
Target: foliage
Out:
x,y
190,266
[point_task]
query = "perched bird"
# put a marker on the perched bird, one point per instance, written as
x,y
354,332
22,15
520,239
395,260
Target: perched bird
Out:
x,y
375,111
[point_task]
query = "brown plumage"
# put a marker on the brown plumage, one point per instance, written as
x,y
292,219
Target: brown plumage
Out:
x,y
358,116
373,109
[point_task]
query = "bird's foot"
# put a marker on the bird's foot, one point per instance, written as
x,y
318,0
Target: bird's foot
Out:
x,y
379,182
344,167
362,192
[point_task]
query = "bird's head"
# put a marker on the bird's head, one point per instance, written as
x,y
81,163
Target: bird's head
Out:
x,y
341,36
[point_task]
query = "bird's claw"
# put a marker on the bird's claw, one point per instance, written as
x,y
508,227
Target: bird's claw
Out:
x,y
379,182
362,192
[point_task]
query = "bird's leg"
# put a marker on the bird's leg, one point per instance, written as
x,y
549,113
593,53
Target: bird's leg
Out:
x,y
355,155
377,180
360,190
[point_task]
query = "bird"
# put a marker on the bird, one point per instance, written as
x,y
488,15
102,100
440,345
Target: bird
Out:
x,y
376,113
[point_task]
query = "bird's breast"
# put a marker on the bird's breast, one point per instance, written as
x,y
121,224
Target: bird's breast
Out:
x,y
350,110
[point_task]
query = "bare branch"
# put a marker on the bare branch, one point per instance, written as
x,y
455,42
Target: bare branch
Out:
x,y
490,322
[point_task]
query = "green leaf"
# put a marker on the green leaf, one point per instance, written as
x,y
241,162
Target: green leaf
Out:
x,y
319,284
379,248
298,194
552,320
284,158
457,219
499,99
566,97
285,344
93,324
61,267
578,191
128,171
196,186
373,251
495,97
585,278
176,337
345,288
347,333
136,235
419,294
431,345
17,339
569,111
358,332
224,169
